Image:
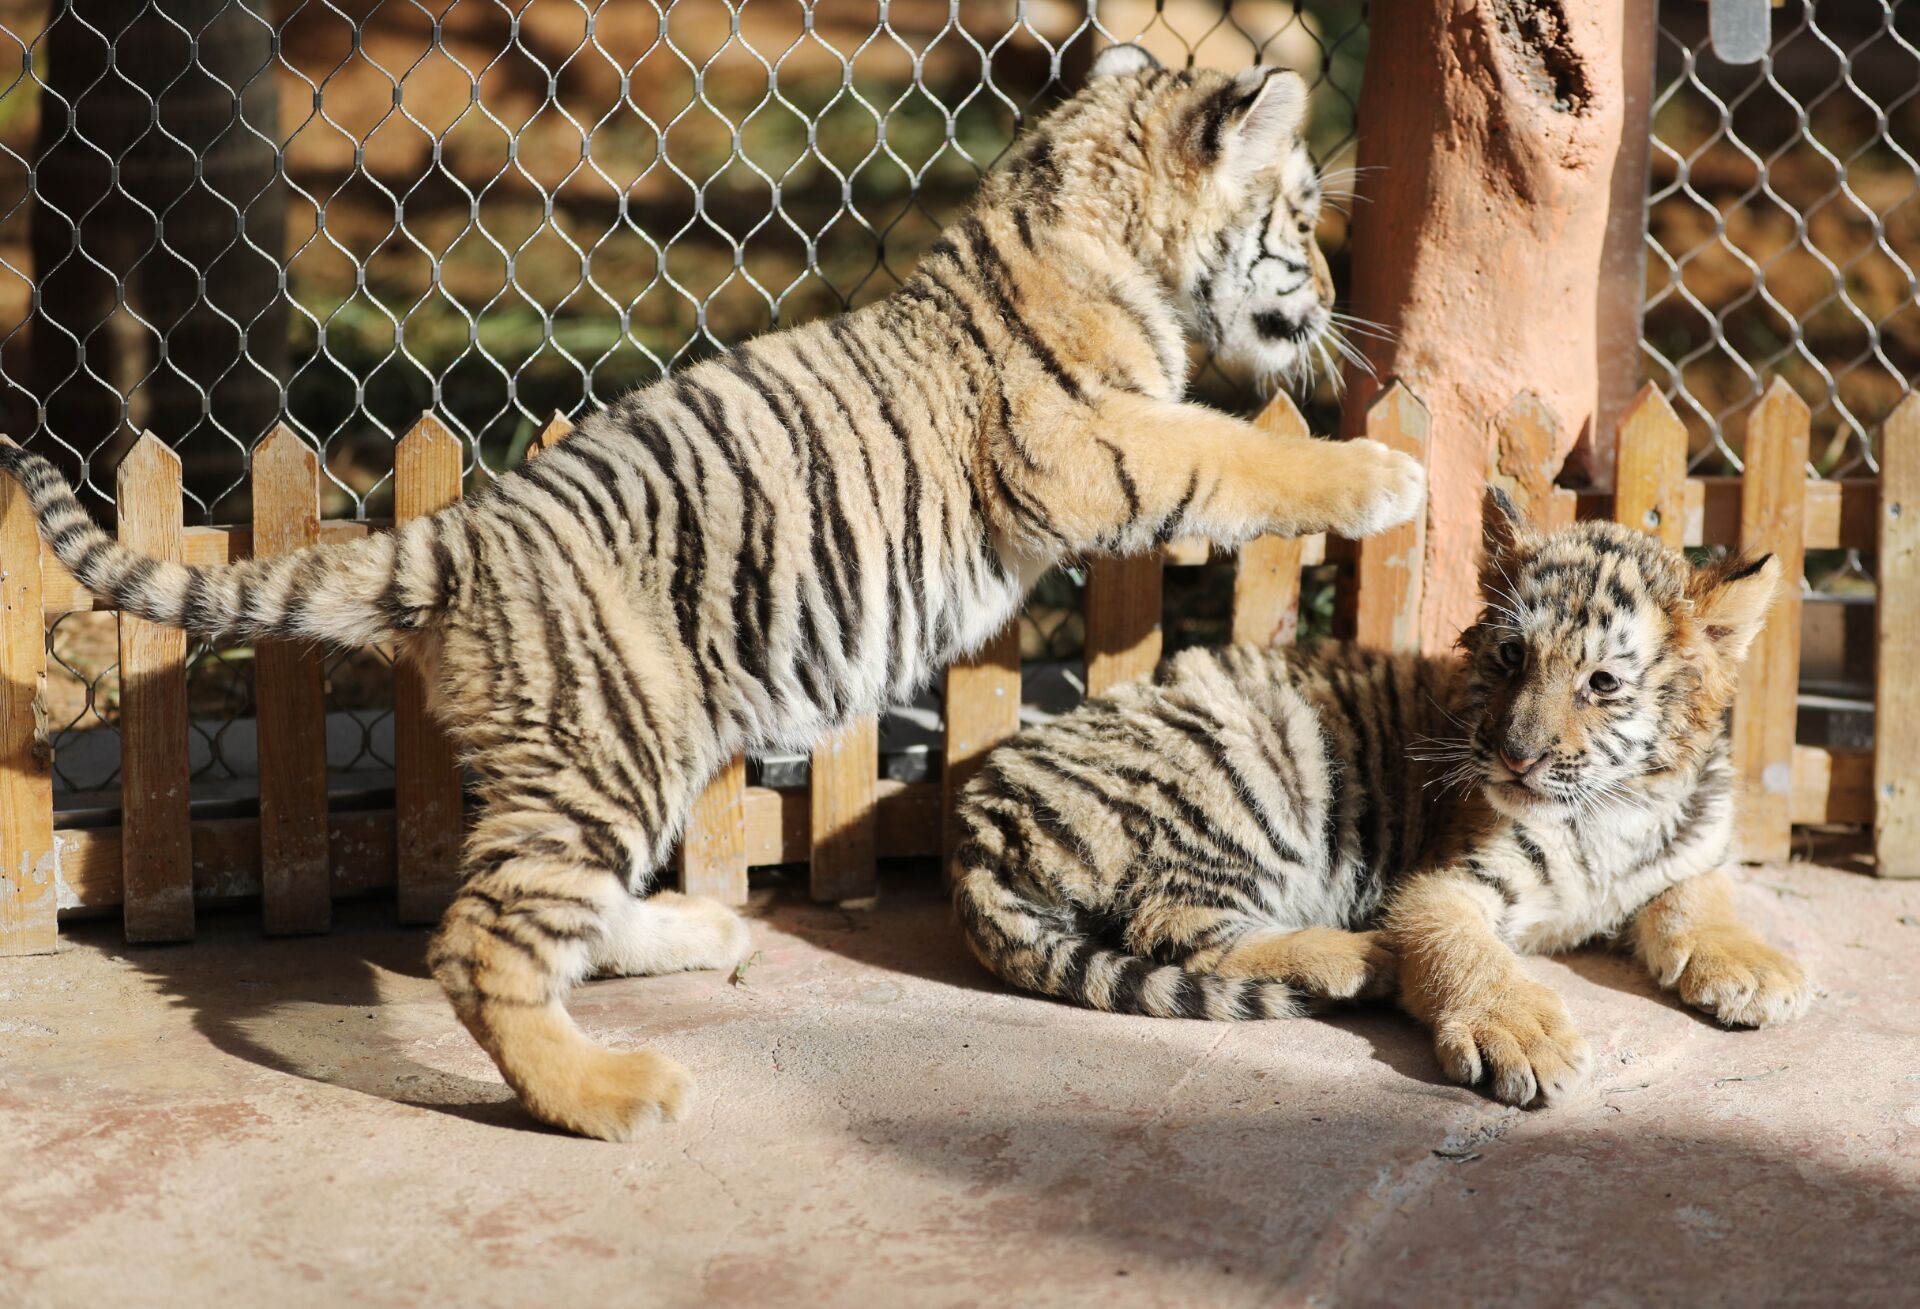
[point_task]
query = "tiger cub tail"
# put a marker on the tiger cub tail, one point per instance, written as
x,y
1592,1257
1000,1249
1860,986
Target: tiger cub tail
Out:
x,y
1040,947
350,594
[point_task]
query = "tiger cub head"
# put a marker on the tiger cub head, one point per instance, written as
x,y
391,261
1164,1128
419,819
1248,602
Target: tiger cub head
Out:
x,y
1206,177
1603,663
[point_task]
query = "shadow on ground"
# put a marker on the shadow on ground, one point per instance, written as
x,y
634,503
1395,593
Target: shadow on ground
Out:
x,y
309,1007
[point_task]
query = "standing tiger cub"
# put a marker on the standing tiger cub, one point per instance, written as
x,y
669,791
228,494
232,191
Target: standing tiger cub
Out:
x,y
783,539
1257,825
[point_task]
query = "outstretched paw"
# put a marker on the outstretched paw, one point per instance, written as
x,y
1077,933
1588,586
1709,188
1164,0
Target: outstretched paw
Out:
x,y
1736,977
1377,488
1520,1038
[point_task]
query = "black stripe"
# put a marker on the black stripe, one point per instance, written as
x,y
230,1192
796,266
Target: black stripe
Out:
x,y
992,275
1479,874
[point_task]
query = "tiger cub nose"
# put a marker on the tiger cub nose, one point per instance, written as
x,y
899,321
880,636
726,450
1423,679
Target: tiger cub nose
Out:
x,y
1517,763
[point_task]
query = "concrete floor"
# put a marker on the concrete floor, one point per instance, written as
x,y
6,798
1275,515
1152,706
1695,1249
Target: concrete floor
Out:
x,y
297,1123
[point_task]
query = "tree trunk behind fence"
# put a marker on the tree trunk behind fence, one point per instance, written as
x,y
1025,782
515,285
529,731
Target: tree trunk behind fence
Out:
x,y
1491,130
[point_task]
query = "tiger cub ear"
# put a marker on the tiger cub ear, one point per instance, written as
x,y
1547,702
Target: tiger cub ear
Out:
x,y
1505,536
1730,602
1121,61
1252,122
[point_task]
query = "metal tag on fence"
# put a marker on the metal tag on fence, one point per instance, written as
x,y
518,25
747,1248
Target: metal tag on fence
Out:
x,y
1738,29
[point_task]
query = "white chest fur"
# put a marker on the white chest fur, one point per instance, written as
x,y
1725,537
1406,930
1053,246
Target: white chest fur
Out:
x,y
1597,875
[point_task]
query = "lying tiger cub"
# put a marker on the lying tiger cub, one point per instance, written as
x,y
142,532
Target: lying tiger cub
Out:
x,y
1261,824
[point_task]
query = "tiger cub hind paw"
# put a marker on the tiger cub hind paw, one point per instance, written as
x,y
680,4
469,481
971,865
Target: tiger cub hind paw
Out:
x,y
1521,1040
612,1095
1375,488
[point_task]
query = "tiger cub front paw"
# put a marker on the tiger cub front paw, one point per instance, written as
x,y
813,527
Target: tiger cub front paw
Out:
x,y
1520,1037
1374,488
1736,977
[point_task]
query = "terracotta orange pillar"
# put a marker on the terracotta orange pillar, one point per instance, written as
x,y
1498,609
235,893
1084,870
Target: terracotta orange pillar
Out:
x,y
1489,132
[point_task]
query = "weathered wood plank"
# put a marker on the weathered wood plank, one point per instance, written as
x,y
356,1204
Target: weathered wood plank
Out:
x,y
982,710
290,690
1832,786
1266,580
1773,512
1650,467
28,894
226,851
558,428
1896,707
906,822
1526,459
1187,552
226,860
846,773
1123,620
1388,568
426,774
713,852
1842,513
157,857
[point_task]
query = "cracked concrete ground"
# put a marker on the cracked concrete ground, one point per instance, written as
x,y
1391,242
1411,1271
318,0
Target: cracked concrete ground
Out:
x,y
294,1123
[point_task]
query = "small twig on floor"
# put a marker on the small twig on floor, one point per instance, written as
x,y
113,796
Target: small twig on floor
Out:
x,y
739,975
1750,1077
1460,1156
1780,889
1907,920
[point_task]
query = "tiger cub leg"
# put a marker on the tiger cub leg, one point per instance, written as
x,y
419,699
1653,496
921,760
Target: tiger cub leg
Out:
x,y
668,932
1321,961
1186,470
1488,1018
1692,940
542,890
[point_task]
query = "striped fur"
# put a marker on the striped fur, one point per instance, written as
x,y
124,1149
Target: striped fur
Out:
x,y
774,542
1260,823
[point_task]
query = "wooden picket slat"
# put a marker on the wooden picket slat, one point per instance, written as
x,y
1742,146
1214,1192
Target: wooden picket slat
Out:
x,y
846,773
558,428
426,775
1266,580
1526,457
982,710
1773,514
1896,704
157,854
290,689
1650,468
1388,567
28,894
1122,620
713,852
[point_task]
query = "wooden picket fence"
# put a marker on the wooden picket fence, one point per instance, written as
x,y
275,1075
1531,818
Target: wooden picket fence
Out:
x,y
297,857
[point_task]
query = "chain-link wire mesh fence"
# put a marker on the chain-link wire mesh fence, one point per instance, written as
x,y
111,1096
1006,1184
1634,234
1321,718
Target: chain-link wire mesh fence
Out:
x,y
1782,238
336,215
219,215
1782,225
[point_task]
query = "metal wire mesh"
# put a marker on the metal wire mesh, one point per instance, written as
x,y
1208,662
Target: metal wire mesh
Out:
x,y
336,214
1782,229
218,215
